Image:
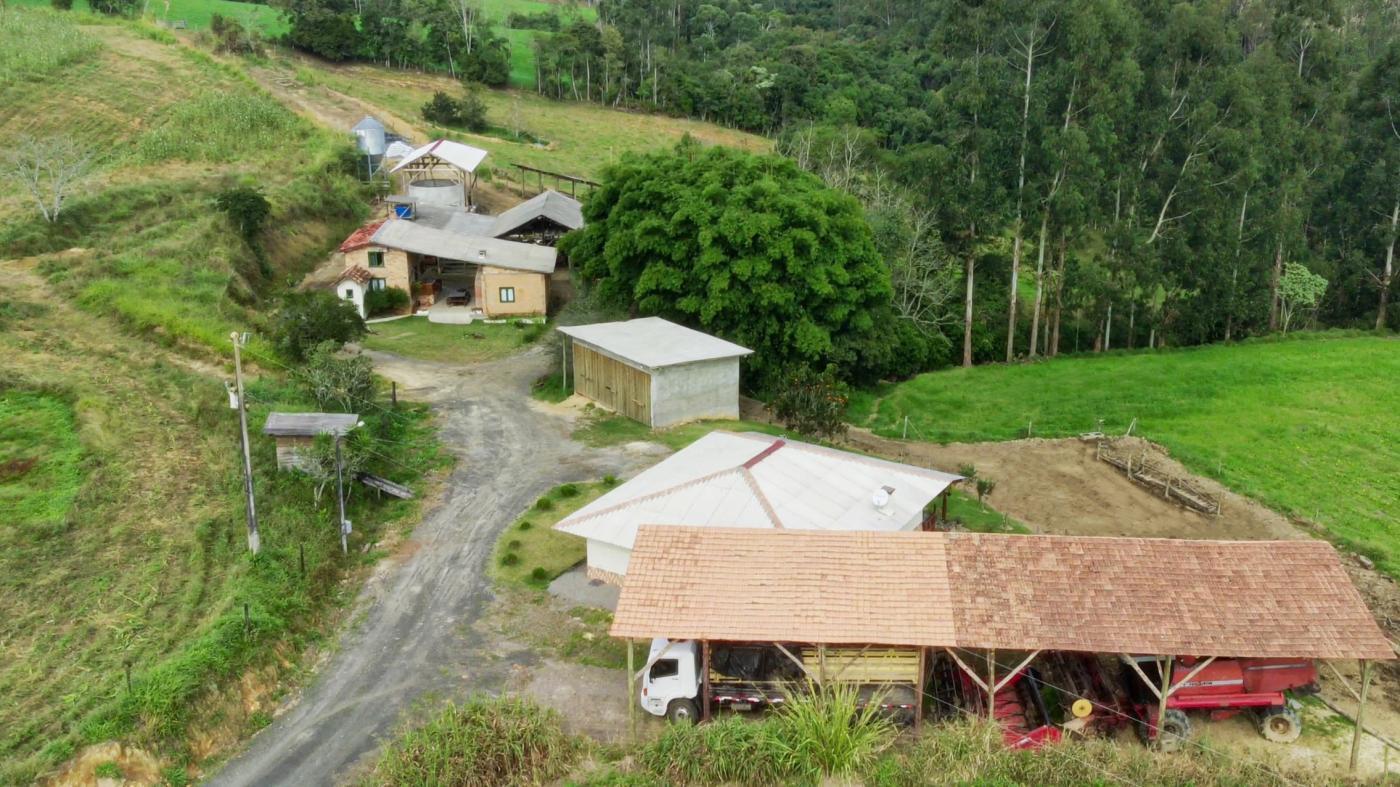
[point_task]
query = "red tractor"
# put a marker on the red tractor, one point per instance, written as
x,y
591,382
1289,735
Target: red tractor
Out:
x,y
1224,687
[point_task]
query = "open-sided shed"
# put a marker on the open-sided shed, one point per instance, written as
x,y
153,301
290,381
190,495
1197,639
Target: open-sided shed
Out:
x,y
965,593
655,371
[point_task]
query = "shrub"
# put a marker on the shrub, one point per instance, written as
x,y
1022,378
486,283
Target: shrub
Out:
x,y
247,210
610,480
728,750
541,20
812,403
233,37
337,384
544,504
389,299
306,319
493,741
828,733
514,543
467,112
510,559
567,490
539,574
526,524
62,5
113,7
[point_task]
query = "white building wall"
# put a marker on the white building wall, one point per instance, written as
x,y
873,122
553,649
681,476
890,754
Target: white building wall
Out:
x,y
608,557
353,291
694,391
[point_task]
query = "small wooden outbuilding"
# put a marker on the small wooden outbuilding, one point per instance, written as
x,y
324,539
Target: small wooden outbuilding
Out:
x,y
294,433
655,371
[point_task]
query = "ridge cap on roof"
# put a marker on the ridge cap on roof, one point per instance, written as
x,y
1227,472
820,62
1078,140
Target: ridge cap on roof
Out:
x,y
838,453
564,524
763,501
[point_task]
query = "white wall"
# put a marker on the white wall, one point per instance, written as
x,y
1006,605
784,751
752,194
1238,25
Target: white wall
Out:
x,y
692,391
352,291
608,557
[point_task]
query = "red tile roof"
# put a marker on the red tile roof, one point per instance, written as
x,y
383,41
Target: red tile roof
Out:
x,y
1289,599
360,237
356,274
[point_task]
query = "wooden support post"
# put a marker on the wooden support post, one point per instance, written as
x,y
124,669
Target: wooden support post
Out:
x,y
821,664
945,508
631,695
705,680
1166,693
919,691
1360,714
992,685
393,393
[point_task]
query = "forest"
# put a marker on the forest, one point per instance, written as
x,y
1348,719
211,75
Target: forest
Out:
x,y
1056,175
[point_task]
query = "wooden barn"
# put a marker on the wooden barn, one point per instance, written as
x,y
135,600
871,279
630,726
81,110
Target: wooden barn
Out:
x,y
295,432
655,371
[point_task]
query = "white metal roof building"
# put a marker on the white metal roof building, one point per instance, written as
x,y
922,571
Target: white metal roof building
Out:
x,y
751,480
422,238
655,371
443,151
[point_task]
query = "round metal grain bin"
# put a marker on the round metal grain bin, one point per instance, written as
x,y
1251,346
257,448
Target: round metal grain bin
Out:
x,y
369,136
436,191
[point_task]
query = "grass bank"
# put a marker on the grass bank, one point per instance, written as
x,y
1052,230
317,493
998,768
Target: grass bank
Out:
x,y
415,337
1304,425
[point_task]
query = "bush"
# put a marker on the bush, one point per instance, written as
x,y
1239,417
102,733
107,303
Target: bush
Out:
x,y
811,403
389,299
510,559
827,733
729,750
468,112
232,37
542,20
514,543
539,574
113,7
567,490
526,524
306,319
544,504
484,742
62,5
247,210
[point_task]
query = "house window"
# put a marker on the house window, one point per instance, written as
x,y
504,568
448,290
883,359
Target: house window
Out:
x,y
507,295
349,294
378,284
376,259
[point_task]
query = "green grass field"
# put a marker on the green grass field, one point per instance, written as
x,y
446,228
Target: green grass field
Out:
x,y
415,337
197,13
522,42
1305,425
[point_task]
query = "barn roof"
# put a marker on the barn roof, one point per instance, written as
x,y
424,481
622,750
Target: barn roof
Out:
x,y
309,424
425,239
755,480
454,154
369,123
1285,599
549,204
653,342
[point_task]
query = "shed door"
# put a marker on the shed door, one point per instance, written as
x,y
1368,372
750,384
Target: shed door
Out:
x,y
613,384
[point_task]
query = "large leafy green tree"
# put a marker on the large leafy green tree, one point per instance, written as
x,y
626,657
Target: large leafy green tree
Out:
x,y
751,248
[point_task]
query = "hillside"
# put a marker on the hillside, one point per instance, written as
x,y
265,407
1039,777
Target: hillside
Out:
x,y
130,602
1304,425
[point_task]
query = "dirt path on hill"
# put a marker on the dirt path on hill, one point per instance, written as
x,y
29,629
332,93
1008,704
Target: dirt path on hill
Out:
x,y
411,639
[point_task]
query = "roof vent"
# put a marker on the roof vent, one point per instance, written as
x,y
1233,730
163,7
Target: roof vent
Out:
x,y
881,497
481,254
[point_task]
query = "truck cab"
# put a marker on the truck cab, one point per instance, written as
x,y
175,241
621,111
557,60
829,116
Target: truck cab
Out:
x,y
671,683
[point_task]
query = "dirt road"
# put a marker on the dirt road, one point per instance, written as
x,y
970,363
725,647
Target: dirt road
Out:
x,y
410,639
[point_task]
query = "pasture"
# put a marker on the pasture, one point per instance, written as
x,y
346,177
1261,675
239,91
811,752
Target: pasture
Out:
x,y
1305,425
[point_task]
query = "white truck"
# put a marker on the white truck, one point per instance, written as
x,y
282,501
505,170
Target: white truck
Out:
x,y
749,677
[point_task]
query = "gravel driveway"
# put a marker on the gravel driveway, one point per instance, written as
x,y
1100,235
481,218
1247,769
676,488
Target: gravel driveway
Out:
x,y
409,637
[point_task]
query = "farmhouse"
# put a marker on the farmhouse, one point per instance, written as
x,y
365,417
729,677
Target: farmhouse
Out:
x,y
751,480
455,264
655,371
295,432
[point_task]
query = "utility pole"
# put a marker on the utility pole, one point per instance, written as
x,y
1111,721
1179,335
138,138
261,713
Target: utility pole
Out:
x,y
340,497
239,404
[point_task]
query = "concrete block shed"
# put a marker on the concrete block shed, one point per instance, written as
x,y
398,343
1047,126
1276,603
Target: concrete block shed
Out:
x,y
655,371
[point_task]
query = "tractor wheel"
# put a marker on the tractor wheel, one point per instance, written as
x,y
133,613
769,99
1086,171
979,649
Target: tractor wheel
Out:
x,y
682,712
1280,724
1175,732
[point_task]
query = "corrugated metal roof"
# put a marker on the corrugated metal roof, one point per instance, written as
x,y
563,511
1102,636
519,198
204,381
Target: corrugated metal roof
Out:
x,y
549,204
425,239
653,342
1264,599
463,157
368,124
309,424
754,480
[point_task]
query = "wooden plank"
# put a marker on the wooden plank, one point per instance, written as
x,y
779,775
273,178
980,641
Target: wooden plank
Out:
x,y
386,486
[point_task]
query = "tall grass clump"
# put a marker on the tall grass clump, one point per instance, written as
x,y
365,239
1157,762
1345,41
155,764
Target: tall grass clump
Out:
x,y
730,750
486,742
35,42
219,126
828,732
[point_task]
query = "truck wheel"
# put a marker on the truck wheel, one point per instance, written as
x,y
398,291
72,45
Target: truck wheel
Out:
x,y
682,712
1176,730
1280,724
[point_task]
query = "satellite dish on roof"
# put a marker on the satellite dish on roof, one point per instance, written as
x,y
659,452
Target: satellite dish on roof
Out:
x,y
881,497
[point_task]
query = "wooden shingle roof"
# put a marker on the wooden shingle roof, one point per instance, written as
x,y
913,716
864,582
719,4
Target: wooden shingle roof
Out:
x,y
1289,599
